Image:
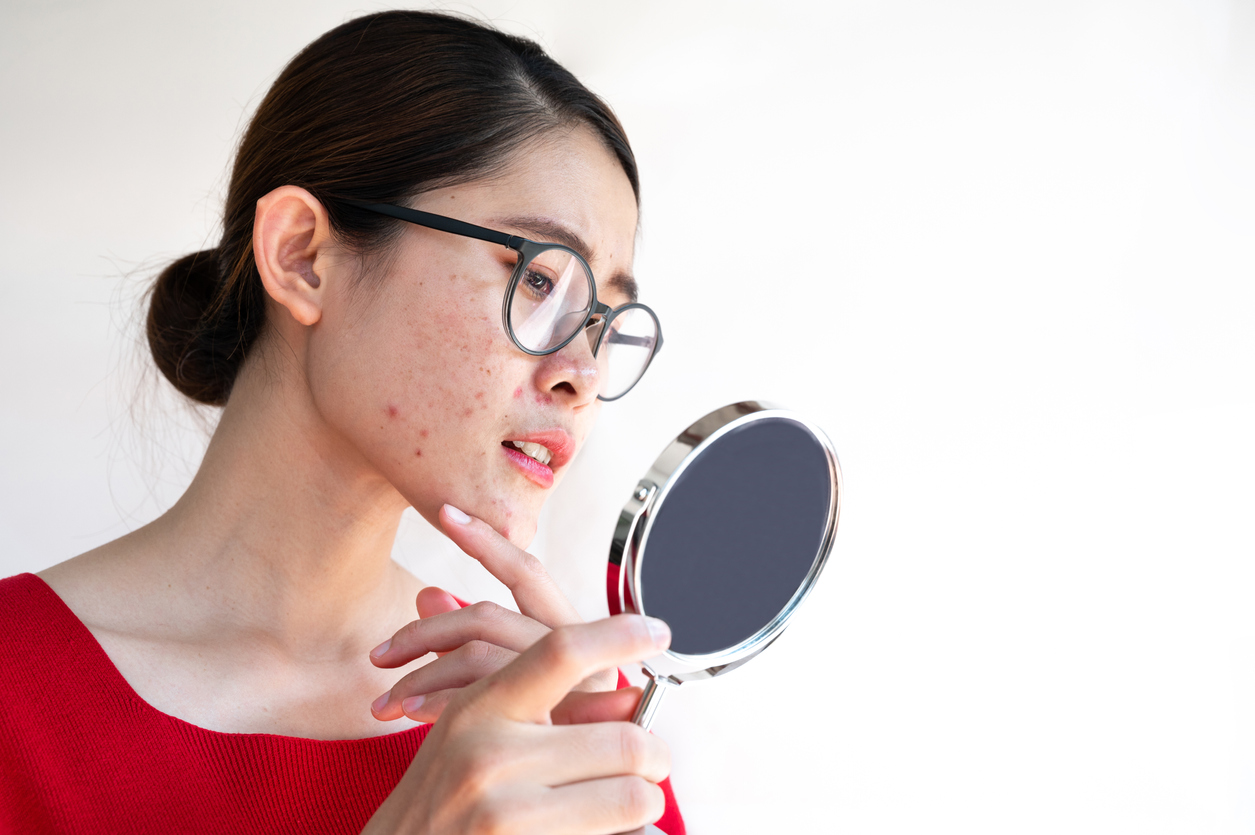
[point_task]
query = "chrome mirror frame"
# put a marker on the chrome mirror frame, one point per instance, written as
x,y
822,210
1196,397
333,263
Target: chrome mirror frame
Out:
x,y
631,538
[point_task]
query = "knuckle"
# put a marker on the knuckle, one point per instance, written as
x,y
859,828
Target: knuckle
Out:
x,y
480,655
408,635
563,645
485,611
533,568
633,747
639,801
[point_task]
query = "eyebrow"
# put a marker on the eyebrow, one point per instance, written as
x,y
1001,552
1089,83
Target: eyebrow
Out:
x,y
551,231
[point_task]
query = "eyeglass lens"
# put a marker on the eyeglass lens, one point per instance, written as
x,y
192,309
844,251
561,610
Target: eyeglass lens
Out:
x,y
552,299
627,343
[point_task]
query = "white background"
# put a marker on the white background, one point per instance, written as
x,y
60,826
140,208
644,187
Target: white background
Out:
x,y
1003,252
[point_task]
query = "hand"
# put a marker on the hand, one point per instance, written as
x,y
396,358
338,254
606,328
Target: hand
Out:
x,y
495,763
480,639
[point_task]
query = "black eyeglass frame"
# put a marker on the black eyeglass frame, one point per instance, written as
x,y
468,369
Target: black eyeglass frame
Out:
x,y
527,250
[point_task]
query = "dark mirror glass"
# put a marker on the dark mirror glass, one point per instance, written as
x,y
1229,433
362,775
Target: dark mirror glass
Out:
x,y
736,535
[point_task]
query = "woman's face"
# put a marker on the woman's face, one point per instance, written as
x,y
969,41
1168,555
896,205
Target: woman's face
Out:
x,y
414,369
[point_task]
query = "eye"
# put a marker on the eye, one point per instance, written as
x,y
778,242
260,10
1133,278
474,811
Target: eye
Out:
x,y
536,282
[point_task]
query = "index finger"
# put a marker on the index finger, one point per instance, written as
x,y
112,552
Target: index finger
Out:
x,y
533,684
525,576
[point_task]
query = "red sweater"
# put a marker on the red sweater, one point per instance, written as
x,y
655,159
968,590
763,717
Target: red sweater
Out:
x,y
81,752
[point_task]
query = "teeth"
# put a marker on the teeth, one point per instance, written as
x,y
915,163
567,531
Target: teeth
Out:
x,y
536,451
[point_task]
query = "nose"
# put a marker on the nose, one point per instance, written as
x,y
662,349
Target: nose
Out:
x,y
573,374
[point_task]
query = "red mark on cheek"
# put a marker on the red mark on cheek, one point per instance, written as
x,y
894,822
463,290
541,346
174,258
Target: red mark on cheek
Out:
x,y
518,392
423,432
479,396
544,398
467,412
392,411
418,453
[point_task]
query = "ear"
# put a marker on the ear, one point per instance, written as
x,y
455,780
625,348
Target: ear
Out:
x,y
289,229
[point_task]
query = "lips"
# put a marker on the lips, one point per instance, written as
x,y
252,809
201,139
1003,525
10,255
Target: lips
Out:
x,y
555,445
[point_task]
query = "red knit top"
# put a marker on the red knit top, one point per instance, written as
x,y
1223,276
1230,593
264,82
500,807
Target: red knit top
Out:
x,y
81,752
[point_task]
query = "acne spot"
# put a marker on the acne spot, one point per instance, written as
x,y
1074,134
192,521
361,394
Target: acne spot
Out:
x,y
544,398
418,453
467,412
479,396
392,410
518,392
423,432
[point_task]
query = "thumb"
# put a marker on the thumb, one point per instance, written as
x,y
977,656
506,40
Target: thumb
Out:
x,y
432,601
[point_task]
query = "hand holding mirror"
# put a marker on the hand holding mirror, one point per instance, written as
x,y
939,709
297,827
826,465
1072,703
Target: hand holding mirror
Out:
x,y
724,538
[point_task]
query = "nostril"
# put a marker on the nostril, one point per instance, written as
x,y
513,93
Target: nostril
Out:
x,y
565,387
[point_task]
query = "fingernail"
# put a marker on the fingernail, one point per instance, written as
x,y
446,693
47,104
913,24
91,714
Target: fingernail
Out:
x,y
380,702
412,704
456,515
659,631
381,649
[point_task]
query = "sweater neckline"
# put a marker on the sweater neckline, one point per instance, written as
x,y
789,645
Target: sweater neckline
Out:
x,y
107,669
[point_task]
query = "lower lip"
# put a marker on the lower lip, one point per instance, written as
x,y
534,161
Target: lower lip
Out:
x,y
531,468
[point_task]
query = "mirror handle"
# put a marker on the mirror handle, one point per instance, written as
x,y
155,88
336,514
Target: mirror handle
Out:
x,y
647,707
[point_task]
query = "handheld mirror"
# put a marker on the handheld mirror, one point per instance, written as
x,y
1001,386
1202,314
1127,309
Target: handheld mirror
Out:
x,y
723,539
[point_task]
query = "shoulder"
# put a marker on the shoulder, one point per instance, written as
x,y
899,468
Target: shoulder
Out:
x,y
46,654
37,630
25,602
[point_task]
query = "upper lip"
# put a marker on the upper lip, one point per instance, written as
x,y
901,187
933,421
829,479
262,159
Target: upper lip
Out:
x,y
558,441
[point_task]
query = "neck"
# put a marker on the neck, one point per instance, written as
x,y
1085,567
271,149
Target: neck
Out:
x,y
286,530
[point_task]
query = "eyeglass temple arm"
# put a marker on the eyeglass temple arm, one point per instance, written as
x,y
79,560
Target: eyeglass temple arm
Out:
x,y
439,223
623,339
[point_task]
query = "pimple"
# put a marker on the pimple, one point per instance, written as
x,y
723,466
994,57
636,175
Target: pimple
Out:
x,y
518,392
418,453
467,412
423,432
544,398
392,410
479,396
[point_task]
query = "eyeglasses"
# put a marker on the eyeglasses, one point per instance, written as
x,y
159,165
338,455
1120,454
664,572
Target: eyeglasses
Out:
x,y
552,297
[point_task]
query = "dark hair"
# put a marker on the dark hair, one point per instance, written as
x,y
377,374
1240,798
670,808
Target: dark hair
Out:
x,y
382,108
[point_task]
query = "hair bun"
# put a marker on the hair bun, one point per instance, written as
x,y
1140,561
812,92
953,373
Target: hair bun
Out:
x,y
183,329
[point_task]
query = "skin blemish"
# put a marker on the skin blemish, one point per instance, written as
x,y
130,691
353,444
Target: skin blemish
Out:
x,y
544,398
467,412
518,392
392,410
423,432
479,396
418,453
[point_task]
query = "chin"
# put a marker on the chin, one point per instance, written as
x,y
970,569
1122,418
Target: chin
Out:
x,y
516,523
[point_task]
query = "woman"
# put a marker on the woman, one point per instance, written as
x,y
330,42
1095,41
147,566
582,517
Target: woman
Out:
x,y
422,294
